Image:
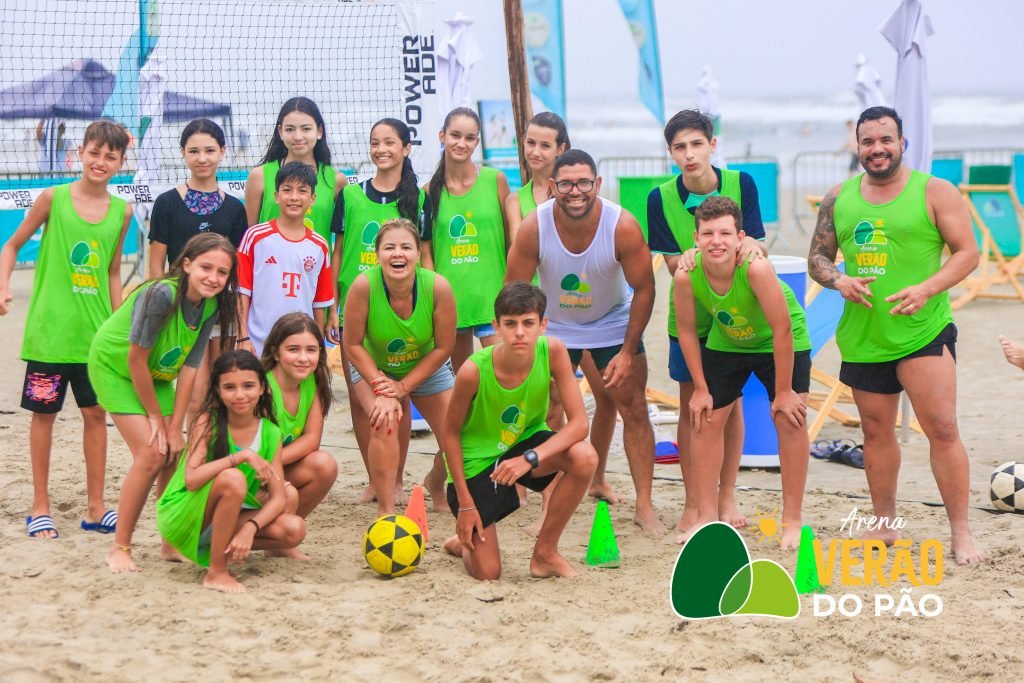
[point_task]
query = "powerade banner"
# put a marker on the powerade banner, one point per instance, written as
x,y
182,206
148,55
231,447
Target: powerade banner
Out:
x,y
416,53
545,55
640,16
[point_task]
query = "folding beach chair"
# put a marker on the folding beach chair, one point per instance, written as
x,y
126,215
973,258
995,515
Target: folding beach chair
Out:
x,y
998,219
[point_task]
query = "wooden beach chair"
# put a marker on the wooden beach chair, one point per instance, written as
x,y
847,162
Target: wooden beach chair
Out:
x,y
998,222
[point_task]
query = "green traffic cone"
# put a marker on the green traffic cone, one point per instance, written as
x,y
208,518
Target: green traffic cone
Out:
x,y
806,564
603,550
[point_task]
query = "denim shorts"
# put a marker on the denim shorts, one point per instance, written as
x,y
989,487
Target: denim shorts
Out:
x,y
442,380
479,331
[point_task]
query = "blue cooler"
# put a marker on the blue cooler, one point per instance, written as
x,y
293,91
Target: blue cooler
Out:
x,y
760,441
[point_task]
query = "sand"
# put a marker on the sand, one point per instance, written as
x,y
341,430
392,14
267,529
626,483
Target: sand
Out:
x,y
65,617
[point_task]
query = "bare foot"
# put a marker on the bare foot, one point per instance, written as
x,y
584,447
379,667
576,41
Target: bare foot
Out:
x,y
604,492
965,551
886,536
688,519
453,546
534,529
401,500
435,486
648,521
546,566
225,583
730,514
292,553
1013,351
120,561
697,524
169,553
790,535
367,496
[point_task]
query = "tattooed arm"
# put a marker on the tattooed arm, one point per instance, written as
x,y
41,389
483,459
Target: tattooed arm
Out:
x,y
821,259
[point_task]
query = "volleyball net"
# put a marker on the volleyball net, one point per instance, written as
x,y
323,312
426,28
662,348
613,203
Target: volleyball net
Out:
x,y
156,65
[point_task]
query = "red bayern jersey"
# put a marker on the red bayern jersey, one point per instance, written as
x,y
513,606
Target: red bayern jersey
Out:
x,y
282,276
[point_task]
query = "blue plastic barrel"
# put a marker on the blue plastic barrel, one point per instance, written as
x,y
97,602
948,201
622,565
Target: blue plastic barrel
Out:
x,y
760,440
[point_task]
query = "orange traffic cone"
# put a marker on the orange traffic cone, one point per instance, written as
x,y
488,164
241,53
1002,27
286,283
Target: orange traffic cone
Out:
x,y
416,510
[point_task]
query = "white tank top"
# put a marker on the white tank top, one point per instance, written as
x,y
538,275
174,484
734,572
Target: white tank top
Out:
x,y
588,297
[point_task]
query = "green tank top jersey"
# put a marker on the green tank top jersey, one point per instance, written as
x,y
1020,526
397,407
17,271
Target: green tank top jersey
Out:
x,y
363,219
899,245
526,200
108,358
180,512
396,344
71,290
292,425
499,418
739,322
319,215
469,248
682,224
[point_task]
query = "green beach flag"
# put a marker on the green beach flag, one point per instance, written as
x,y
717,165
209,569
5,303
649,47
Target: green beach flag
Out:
x,y
603,550
806,564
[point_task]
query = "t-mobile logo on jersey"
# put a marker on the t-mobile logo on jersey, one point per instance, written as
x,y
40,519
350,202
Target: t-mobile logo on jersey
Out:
x,y
290,282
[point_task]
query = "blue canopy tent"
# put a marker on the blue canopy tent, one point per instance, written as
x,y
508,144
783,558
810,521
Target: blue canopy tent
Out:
x,y
80,91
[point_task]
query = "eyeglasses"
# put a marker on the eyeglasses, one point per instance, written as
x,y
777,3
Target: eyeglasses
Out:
x,y
565,186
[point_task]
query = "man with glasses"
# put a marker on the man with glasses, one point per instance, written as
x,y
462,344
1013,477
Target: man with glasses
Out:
x,y
595,268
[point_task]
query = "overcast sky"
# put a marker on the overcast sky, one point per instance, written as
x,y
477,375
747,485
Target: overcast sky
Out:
x,y
759,48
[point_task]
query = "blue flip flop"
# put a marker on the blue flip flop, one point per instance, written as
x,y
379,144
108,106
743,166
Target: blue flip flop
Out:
x,y
39,525
106,525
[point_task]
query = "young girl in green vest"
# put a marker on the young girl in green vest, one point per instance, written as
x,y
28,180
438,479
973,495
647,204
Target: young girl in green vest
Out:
x,y
358,214
158,336
300,384
299,135
470,236
227,497
399,334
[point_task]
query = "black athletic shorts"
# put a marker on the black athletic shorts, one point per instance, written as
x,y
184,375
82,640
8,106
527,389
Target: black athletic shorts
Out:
x,y
602,356
881,378
46,386
727,372
495,502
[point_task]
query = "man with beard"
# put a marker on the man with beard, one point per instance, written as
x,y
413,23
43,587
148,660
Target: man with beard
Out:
x,y
892,224
595,269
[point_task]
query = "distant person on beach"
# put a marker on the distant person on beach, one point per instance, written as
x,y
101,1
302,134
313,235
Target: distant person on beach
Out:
x,y
1013,351
757,327
300,134
496,436
671,226
850,147
76,287
595,269
54,150
228,497
897,333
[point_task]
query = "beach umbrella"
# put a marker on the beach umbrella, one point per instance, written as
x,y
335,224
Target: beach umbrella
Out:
x,y
707,102
867,84
457,53
907,30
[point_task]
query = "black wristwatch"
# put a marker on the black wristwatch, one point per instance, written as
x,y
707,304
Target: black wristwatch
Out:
x,y
531,457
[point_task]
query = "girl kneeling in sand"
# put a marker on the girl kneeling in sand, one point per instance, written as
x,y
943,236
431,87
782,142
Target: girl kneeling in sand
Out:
x,y
300,385
399,334
228,496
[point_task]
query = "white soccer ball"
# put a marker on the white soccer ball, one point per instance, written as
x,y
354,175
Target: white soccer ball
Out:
x,y
1007,487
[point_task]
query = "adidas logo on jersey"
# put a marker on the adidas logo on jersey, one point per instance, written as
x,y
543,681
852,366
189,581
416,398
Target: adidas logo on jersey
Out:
x,y
271,260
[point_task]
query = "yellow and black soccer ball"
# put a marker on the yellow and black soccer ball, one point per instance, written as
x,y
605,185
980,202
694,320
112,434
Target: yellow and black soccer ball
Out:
x,y
393,545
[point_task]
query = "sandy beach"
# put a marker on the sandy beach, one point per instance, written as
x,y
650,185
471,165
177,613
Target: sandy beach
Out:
x,y
66,618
